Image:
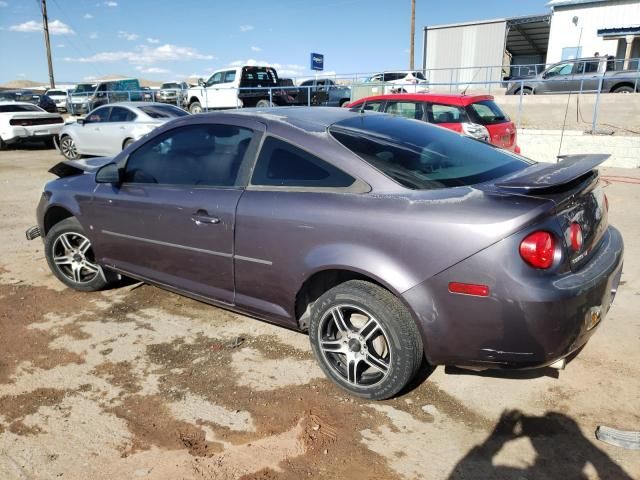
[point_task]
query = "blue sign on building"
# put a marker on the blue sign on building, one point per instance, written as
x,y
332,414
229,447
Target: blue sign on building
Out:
x,y
317,61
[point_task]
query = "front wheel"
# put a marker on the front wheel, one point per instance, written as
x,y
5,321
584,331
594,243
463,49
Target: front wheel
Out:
x,y
195,107
68,148
71,259
127,142
263,103
624,89
365,339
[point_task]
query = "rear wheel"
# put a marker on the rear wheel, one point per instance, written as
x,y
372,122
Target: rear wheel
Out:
x,y
68,148
195,107
70,257
127,142
365,339
3,145
525,91
624,89
263,103
344,101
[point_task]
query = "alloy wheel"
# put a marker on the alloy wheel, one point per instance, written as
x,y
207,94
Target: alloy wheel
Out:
x,y
354,345
73,257
68,148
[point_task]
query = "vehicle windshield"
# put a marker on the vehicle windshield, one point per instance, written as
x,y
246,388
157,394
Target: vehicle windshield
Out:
x,y
170,85
419,75
85,88
56,92
163,111
420,156
19,108
487,112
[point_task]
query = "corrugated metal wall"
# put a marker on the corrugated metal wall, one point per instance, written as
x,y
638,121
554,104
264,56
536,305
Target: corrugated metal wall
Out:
x,y
476,45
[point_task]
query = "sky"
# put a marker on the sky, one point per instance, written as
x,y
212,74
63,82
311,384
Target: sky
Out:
x,y
173,40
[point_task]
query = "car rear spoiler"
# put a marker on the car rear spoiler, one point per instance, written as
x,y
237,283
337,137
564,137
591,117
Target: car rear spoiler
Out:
x,y
549,176
70,168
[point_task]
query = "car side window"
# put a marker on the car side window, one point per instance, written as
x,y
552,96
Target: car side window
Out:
x,y
368,107
197,155
412,110
281,164
562,69
99,115
121,114
229,76
215,78
437,113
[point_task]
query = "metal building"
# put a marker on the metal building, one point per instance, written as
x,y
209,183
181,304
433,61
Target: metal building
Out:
x,y
476,51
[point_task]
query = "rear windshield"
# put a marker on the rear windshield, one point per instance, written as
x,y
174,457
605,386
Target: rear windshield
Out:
x,y
423,157
487,112
163,111
19,108
254,76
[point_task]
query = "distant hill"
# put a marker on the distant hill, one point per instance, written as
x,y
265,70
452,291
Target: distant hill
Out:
x,y
22,84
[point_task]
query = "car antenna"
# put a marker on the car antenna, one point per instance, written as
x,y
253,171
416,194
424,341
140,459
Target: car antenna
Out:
x,y
464,92
574,20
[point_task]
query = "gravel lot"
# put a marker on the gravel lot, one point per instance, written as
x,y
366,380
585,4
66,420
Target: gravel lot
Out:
x,y
137,382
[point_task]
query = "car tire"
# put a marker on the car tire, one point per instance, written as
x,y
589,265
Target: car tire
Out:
x,y
262,103
624,89
127,142
525,91
3,145
71,259
344,102
68,148
365,339
195,107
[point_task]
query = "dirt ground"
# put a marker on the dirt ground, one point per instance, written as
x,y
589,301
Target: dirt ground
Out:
x,y
137,382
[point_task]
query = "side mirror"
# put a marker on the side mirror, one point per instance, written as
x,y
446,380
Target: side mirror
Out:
x,y
109,173
80,121
201,82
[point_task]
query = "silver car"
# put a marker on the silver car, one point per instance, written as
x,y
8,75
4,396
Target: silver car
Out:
x,y
109,129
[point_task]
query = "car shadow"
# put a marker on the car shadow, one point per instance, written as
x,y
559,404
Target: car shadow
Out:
x,y
30,145
561,451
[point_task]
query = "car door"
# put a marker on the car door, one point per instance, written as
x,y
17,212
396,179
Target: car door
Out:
x,y
212,91
117,129
90,139
587,75
172,218
557,79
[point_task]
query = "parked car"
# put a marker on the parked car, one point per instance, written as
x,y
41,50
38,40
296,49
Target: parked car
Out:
x,y
174,93
109,129
400,82
323,91
87,96
579,75
59,97
23,121
147,94
41,100
388,240
235,87
476,116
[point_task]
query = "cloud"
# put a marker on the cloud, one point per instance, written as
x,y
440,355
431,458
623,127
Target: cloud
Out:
x,y
152,69
152,40
55,28
128,36
60,45
3,4
93,35
144,55
111,4
256,49
246,28
90,78
87,16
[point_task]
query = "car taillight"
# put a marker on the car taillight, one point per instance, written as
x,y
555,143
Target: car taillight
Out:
x,y
575,237
538,249
476,131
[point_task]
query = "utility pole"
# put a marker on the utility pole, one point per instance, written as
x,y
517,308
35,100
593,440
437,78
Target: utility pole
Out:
x,y
413,34
45,26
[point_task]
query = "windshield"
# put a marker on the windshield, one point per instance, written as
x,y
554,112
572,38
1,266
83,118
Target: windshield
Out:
x,y
487,112
163,111
170,85
85,88
423,157
56,92
19,108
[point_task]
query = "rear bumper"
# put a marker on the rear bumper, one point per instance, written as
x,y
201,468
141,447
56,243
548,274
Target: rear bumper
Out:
x,y
528,321
37,132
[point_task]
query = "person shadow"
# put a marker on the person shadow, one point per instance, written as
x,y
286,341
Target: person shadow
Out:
x,y
562,451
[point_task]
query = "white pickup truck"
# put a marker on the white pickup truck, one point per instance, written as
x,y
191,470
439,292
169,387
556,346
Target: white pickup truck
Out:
x,y
247,86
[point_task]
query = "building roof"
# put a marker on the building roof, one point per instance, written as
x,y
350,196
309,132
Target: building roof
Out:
x,y
619,31
457,99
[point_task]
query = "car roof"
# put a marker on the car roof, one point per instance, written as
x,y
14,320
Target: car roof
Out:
x,y
444,98
136,104
312,119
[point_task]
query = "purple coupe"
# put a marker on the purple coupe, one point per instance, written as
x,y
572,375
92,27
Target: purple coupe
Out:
x,y
389,240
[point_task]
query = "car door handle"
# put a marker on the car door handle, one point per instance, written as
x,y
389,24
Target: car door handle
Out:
x,y
201,217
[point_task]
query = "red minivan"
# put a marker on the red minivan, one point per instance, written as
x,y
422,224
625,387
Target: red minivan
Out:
x,y
477,116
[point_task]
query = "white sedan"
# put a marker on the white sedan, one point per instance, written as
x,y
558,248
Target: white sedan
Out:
x,y
20,121
111,128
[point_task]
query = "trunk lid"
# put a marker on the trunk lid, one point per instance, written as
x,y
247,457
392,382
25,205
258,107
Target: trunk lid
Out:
x,y
573,185
77,167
